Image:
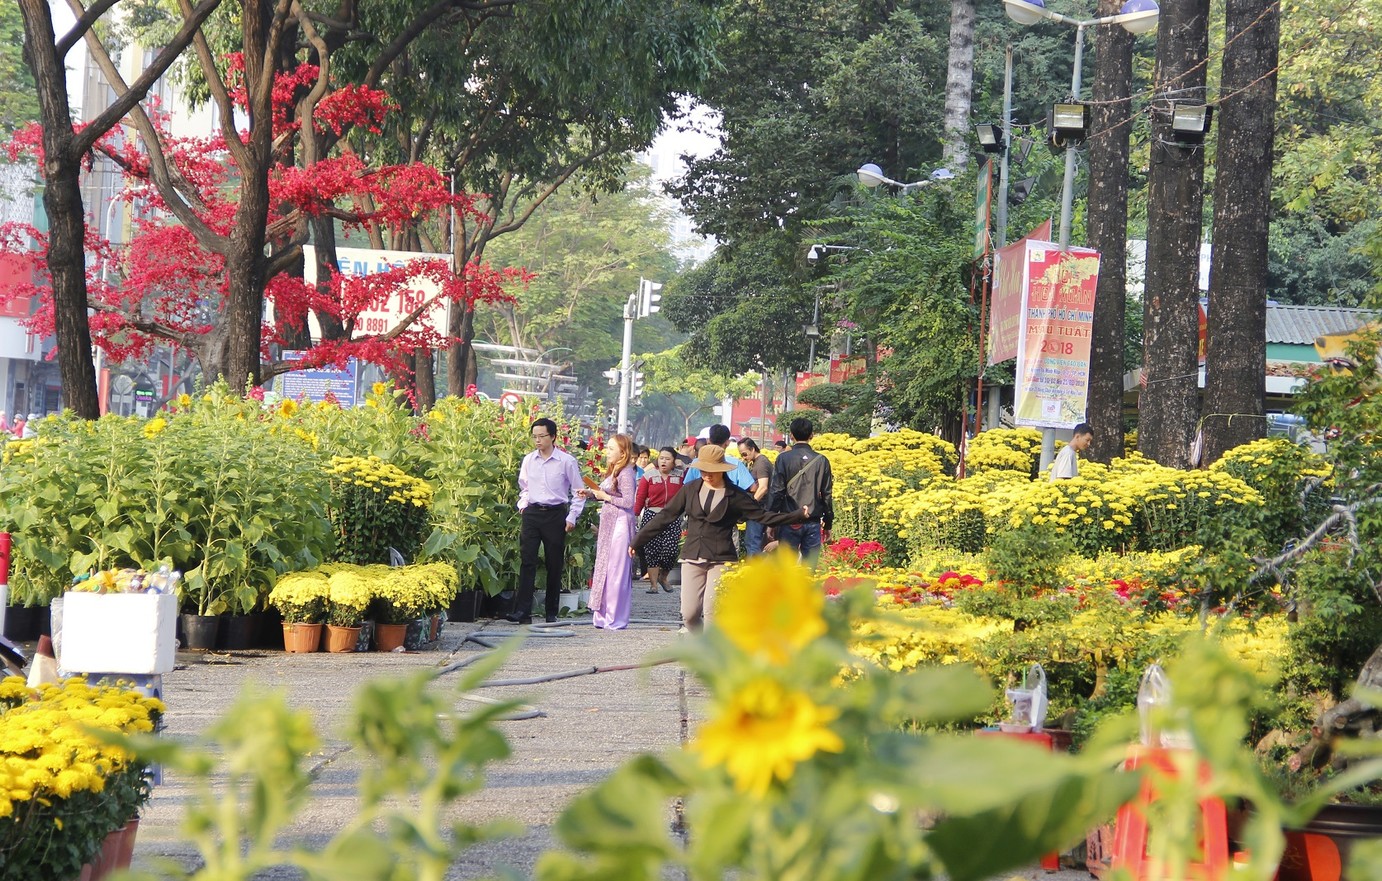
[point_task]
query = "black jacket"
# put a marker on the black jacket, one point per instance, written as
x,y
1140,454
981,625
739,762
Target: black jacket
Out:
x,y
815,490
709,534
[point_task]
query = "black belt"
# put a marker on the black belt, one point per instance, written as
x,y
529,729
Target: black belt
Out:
x,y
547,507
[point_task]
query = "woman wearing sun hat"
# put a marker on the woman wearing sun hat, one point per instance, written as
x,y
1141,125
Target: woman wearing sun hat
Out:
x,y
713,508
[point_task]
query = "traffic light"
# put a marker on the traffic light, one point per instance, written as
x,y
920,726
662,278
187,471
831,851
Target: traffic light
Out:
x,y
649,299
636,392
612,375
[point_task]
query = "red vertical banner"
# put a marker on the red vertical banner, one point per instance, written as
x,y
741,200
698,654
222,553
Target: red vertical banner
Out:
x,y
1005,303
1056,329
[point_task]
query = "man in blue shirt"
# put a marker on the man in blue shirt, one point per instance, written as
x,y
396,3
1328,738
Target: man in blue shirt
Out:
x,y
740,476
549,497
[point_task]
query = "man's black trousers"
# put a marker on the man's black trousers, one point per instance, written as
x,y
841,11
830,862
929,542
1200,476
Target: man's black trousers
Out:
x,y
545,527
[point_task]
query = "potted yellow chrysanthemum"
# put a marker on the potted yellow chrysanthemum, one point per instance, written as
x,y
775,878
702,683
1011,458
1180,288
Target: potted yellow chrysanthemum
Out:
x,y
348,597
302,598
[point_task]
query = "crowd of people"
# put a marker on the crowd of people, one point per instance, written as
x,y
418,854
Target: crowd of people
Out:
x,y
22,426
671,507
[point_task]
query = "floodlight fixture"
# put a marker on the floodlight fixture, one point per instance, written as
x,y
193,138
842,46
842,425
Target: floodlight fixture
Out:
x,y
1190,122
1069,124
990,137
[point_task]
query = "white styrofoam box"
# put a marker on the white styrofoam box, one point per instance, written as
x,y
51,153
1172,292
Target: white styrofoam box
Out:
x,y
119,632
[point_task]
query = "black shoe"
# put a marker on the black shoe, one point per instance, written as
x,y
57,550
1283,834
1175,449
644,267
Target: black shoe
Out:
x,y
551,619
518,619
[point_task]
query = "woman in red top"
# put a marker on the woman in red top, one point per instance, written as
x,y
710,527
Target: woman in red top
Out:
x,y
655,490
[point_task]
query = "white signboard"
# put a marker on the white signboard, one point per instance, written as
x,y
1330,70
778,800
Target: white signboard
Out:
x,y
384,314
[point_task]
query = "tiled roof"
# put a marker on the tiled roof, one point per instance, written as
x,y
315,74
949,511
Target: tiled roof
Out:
x,y
1300,325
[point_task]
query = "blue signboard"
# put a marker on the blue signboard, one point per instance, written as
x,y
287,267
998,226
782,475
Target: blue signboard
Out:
x,y
319,383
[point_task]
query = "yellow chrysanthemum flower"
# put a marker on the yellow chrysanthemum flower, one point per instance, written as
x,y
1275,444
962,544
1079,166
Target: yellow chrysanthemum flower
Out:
x,y
763,732
774,610
154,426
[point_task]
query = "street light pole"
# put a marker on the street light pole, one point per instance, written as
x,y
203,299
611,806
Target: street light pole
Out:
x,y
1067,201
1137,17
1007,146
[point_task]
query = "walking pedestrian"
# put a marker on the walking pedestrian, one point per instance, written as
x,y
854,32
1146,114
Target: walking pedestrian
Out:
x,y
612,585
655,490
755,533
714,508
549,484
802,478
1067,464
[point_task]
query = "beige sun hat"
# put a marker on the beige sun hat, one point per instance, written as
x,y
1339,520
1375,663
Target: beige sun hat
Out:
x,y
711,459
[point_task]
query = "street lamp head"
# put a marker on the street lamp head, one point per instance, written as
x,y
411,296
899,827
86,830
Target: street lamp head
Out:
x,y
1138,16
990,137
942,174
870,175
1025,12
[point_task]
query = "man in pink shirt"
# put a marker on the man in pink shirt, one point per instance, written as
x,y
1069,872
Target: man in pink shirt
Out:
x,y
549,483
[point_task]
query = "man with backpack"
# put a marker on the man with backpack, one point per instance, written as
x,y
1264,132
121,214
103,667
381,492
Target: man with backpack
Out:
x,y
802,479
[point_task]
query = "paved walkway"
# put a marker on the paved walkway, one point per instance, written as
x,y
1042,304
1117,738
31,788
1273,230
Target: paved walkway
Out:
x,y
591,725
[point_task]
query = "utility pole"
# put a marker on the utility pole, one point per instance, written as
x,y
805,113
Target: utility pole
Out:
x,y
625,367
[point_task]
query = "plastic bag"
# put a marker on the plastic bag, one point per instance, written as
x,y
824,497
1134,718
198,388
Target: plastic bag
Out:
x,y
1028,702
1155,691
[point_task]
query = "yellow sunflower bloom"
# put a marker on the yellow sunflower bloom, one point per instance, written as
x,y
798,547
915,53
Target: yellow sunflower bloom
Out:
x,y
763,732
774,610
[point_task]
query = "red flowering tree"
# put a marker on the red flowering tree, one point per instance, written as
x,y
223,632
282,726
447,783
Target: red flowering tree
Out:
x,y
167,284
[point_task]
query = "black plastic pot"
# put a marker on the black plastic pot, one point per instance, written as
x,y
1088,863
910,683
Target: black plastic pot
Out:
x,y
26,623
466,606
236,633
269,630
199,631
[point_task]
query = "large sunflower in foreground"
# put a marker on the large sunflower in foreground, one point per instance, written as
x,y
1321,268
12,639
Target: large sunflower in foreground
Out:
x,y
763,731
773,609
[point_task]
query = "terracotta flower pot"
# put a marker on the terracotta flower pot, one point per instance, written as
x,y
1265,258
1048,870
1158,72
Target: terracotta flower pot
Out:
x,y
388,637
341,639
299,638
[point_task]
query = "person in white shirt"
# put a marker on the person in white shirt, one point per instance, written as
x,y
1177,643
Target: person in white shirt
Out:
x,y
550,497
1067,464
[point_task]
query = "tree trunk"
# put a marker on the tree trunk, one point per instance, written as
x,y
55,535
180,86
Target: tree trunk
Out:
x,y
460,358
1107,227
959,83
1236,362
424,380
244,305
62,200
1175,201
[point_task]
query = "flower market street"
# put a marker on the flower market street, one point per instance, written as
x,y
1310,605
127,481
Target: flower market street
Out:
x,y
590,725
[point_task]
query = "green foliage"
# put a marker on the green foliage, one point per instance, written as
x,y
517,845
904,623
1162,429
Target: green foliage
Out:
x,y
907,290
1292,480
18,93
472,453
587,254
744,308
1027,559
207,492
805,105
1338,621
850,406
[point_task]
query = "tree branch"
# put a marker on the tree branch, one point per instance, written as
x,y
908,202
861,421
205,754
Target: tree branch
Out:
x,y
84,23
420,24
216,85
131,95
167,178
